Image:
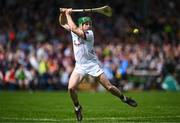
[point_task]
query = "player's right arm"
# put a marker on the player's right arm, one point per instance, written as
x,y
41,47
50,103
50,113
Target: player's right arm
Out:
x,y
63,20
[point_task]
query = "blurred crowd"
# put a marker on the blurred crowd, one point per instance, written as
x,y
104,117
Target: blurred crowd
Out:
x,y
36,53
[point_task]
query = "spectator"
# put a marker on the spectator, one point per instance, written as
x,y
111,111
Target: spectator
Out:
x,y
10,80
22,78
35,36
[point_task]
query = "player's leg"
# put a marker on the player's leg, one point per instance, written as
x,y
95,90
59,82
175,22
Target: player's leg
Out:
x,y
115,91
74,81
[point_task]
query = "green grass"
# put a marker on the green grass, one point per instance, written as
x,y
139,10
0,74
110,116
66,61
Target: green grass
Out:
x,y
97,107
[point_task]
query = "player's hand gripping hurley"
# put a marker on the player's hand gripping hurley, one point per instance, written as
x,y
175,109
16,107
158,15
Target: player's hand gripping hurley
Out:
x,y
105,10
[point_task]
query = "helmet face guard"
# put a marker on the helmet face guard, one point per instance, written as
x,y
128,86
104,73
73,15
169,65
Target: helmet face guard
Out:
x,y
83,20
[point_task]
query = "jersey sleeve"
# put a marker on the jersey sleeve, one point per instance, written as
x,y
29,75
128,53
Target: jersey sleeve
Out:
x,y
88,35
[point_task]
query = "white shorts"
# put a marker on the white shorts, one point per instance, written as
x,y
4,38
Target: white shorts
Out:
x,y
94,69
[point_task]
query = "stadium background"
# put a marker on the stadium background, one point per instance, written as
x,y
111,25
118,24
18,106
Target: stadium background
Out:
x,y
36,60
36,53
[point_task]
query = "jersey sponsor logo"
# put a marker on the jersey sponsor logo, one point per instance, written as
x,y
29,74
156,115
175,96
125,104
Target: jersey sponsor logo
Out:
x,y
77,43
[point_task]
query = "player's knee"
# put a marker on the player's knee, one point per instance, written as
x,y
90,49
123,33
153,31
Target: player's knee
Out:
x,y
71,89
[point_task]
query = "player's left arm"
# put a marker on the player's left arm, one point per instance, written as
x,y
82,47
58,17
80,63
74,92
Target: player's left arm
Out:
x,y
73,26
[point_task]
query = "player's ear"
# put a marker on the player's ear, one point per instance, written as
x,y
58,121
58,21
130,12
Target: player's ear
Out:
x,y
80,26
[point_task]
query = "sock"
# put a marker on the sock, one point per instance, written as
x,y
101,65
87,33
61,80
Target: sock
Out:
x,y
76,104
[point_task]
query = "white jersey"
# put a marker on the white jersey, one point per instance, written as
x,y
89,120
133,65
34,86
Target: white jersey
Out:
x,y
83,49
86,59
